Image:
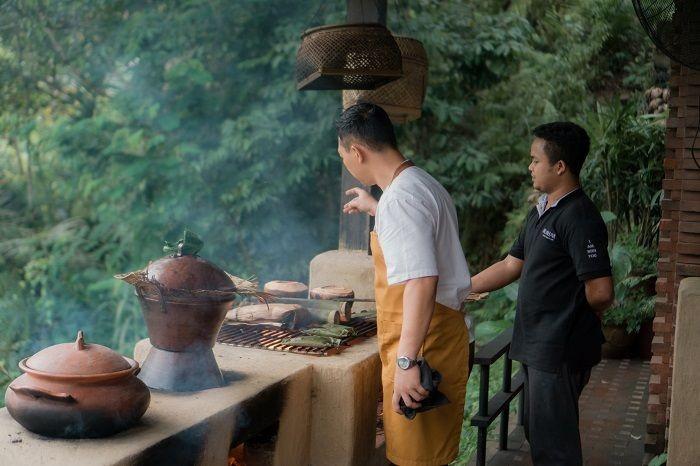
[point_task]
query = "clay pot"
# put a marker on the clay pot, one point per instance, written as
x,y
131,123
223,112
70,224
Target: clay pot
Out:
x,y
77,390
184,300
177,319
286,289
189,326
331,292
336,292
190,273
618,342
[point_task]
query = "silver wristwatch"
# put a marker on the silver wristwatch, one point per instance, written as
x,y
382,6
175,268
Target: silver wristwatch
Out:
x,y
405,363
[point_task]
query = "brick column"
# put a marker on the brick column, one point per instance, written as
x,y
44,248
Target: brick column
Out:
x,y
679,242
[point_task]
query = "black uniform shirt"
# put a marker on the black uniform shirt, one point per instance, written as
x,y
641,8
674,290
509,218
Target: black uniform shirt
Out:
x,y
561,249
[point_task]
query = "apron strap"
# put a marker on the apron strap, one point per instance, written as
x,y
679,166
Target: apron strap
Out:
x,y
404,165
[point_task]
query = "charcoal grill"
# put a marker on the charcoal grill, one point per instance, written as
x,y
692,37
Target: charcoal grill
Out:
x,y
270,338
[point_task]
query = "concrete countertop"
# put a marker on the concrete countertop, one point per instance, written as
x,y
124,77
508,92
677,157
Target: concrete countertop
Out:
x,y
264,386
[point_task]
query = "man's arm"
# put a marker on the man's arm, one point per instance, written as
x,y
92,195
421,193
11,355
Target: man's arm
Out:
x,y
418,306
600,294
497,276
587,245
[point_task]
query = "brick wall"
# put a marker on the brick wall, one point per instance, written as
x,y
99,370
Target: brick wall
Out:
x,y
679,242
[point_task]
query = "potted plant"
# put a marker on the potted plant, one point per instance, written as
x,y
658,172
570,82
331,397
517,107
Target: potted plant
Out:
x,y
633,307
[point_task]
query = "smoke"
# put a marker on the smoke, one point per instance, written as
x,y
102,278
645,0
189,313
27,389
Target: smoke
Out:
x,y
162,116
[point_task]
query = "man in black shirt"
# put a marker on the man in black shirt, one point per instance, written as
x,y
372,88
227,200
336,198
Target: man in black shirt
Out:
x,y
565,285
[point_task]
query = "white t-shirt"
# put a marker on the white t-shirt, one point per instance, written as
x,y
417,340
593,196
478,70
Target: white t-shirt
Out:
x,y
416,224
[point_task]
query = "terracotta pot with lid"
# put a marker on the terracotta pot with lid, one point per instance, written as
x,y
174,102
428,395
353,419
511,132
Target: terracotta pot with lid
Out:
x,y
184,300
77,390
186,308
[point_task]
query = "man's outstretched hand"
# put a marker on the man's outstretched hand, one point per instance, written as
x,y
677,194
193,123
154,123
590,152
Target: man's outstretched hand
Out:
x,y
363,202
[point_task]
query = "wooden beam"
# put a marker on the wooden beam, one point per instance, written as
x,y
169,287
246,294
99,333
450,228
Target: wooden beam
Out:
x,y
355,228
366,11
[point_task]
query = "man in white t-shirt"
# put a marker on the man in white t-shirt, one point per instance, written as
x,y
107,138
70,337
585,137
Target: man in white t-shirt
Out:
x,y
421,280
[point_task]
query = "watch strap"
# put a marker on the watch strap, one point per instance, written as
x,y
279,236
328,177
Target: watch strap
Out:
x,y
411,362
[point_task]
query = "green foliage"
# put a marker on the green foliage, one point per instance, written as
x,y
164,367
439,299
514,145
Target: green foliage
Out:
x,y
623,176
634,300
122,123
128,121
498,69
624,169
659,460
496,314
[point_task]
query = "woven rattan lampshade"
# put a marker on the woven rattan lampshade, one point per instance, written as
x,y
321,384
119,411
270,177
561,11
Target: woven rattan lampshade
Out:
x,y
401,99
347,56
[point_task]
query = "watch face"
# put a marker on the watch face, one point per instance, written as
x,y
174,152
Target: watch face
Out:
x,y
403,362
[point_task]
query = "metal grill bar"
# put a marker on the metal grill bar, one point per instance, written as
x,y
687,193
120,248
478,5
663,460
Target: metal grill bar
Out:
x,y
270,338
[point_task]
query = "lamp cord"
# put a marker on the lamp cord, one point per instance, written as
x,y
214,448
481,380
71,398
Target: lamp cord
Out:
x,y
319,10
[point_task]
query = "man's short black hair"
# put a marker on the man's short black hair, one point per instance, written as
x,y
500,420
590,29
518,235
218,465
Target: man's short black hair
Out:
x,y
565,141
366,123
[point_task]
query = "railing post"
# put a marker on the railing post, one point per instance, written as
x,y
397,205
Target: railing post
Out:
x,y
484,391
505,414
498,406
483,411
481,447
521,409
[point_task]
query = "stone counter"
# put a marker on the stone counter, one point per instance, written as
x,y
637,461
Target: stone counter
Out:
x,y
326,408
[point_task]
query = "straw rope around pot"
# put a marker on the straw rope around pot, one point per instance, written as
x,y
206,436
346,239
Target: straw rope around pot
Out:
x,y
347,56
401,99
147,286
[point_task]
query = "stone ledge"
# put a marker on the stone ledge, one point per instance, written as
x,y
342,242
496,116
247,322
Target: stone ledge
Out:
x,y
325,406
194,428
683,446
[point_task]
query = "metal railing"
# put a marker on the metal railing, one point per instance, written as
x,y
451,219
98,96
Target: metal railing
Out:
x,y
499,404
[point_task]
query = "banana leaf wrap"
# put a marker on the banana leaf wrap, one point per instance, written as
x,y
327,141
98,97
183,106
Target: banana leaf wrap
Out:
x,y
190,244
312,341
331,331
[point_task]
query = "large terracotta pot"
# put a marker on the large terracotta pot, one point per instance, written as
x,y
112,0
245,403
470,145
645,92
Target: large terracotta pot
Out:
x,y
180,312
184,300
77,390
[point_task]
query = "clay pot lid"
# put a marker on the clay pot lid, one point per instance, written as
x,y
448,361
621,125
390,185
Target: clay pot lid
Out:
x,y
286,288
78,358
189,272
331,292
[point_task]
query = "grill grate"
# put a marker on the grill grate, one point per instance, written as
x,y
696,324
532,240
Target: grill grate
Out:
x,y
270,338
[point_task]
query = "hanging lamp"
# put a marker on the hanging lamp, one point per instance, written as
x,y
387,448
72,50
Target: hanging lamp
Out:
x,y
361,56
403,98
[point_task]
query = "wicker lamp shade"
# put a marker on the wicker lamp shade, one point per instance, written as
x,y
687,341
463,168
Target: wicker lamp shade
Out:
x,y
347,56
401,99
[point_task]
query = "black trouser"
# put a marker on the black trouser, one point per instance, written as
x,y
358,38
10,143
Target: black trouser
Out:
x,y
551,414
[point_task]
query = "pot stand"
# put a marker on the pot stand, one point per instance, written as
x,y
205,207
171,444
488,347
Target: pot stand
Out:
x,y
181,371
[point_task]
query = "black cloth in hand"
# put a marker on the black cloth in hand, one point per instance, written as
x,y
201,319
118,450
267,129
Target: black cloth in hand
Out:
x,y
429,379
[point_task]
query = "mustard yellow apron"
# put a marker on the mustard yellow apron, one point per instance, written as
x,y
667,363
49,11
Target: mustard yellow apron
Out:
x,y
432,437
